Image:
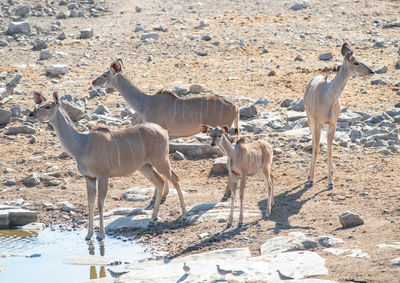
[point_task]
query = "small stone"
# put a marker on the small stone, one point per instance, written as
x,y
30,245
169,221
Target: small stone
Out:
x,y
248,112
196,89
179,91
57,70
61,16
179,156
45,54
67,206
10,182
31,180
5,117
381,70
22,11
298,58
395,261
325,56
201,53
149,35
300,5
18,27
39,45
159,27
398,65
265,51
378,82
203,24
206,37
61,36
271,73
86,33
349,219
203,235
26,130
138,9
219,167
379,44
102,110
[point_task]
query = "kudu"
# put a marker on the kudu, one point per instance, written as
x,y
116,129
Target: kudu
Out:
x,y
101,154
181,117
244,159
322,105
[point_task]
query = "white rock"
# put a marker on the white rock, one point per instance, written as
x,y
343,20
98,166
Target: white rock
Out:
x,y
35,226
57,70
350,219
18,27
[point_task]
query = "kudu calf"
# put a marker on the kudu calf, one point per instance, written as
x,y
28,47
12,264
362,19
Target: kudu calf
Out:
x,y
244,159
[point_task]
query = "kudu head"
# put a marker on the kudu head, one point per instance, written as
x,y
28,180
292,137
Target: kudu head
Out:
x,y
215,133
45,110
107,79
355,66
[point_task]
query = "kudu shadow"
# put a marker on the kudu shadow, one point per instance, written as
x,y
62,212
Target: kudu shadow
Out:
x,y
286,205
224,235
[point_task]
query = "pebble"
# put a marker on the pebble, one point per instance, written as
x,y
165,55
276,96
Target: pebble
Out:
x,y
379,44
350,219
300,5
138,9
149,36
381,70
196,89
86,33
5,117
10,182
201,53
325,56
31,180
397,65
18,27
57,70
45,54
378,82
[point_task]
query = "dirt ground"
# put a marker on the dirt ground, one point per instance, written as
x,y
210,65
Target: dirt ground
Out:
x,y
365,181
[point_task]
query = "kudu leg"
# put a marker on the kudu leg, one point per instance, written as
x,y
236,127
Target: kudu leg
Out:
x,y
175,181
233,196
159,182
316,136
102,188
228,190
269,190
331,133
91,194
241,195
165,192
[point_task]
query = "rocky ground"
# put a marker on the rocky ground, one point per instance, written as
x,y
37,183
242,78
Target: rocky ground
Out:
x,y
260,55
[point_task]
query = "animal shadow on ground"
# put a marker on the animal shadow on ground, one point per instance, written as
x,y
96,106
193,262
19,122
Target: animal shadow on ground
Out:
x,y
176,224
287,204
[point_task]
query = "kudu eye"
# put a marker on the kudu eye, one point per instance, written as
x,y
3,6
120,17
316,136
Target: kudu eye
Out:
x,y
47,107
356,63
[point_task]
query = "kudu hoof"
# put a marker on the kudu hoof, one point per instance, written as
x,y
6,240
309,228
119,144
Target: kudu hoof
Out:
x,y
163,199
240,225
310,184
150,205
330,186
228,226
224,198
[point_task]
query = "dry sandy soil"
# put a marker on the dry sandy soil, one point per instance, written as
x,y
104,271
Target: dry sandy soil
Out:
x,y
366,181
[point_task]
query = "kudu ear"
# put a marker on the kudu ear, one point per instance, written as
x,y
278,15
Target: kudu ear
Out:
x,y
55,97
346,49
37,97
226,129
116,66
204,128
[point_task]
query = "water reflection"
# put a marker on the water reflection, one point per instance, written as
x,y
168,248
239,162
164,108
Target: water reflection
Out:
x,y
93,269
54,246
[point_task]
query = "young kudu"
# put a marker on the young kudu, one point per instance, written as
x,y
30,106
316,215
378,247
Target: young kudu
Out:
x,y
322,105
181,117
101,154
244,159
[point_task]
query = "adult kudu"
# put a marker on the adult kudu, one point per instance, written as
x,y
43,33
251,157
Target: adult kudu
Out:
x,y
322,105
181,117
101,154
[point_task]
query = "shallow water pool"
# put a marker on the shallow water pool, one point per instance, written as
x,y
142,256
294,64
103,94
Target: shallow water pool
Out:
x,y
46,251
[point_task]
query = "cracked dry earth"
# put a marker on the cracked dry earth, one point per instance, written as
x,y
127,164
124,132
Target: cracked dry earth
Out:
x,y
366,182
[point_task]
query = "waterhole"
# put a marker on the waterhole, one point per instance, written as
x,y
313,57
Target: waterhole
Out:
x,y
30,256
